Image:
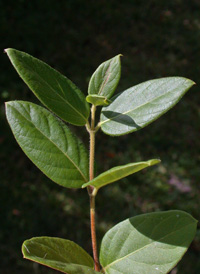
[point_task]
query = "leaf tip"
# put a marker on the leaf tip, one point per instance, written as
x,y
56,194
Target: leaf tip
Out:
x,y
7,50
6,104
191,82
119,56
154,162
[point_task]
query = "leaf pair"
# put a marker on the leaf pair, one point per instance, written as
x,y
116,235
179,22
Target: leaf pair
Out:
x,y
46,140
137,106
149,243
58,153
58,93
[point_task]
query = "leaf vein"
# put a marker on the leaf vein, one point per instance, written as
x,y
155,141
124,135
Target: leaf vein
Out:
x,y
118,260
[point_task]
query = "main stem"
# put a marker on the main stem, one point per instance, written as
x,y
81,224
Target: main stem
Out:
x,y
92,142
91,190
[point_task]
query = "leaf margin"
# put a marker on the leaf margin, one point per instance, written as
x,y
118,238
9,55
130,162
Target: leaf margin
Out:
x,y
25,250
79,93
61,123
177,212
92,82
192,83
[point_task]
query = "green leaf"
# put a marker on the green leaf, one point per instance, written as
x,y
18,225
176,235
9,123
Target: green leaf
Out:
x,y
151,243
140,105
49,144
59,254
105,79
98,100
53,89
116,173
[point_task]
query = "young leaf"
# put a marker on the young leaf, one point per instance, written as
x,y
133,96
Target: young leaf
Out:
x,y
105,79
48,143
59,254
98,100
140,105
53,89
149,243
116,173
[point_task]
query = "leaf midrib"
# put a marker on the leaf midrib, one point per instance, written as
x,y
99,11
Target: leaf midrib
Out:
x,y
101,123
44,81
106,79
55,145
120,259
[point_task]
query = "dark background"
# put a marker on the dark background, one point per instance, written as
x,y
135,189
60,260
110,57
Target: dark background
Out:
x,y
157,39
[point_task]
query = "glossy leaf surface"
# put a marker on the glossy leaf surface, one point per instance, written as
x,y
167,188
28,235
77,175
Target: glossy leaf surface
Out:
x,y
105,79
151,243
140,105
53,89
119,172
59,254
49,143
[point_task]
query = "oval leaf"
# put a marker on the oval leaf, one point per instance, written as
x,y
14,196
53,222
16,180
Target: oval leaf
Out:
x,y
140,105
59,254
119,172
49,144
105,79
53,89
149,243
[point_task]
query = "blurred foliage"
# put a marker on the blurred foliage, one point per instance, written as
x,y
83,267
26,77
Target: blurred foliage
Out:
x,y
157,39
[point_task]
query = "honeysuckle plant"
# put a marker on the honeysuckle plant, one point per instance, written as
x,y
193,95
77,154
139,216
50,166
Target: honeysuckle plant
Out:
x,y
149,243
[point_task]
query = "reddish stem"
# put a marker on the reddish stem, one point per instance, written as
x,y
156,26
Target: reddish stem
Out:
x,y
91,190
93,233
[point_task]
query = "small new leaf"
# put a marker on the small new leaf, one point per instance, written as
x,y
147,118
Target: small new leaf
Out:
x,y
53,89
105,79
151,243
49,143
98,100
116,173
140,105
59,254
